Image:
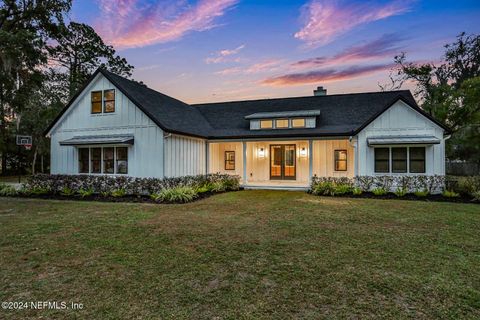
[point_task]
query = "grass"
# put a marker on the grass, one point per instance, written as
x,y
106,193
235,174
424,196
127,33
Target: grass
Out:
x,y
247,255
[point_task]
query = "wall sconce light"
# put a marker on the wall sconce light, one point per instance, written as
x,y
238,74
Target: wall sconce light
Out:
x,y
303,152
261,153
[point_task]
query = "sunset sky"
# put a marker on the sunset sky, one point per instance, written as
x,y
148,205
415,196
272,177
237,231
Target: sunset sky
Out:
x,y
219,50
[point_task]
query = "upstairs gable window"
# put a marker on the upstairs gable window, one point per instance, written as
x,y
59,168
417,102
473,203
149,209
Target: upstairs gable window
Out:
x,y
103,101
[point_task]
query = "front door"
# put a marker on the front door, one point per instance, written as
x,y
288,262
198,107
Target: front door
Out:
x,y
282,162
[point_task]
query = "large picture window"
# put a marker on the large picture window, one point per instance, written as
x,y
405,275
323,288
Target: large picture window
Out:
x,y
417,160
399,160
96,159
340,160
382,160
107,160
229,160
83,155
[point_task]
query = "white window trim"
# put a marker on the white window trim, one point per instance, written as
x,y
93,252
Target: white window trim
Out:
x,y
390,160
90,147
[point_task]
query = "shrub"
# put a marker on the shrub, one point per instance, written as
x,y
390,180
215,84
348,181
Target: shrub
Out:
x,y
450,194
476,196
357,191
422,193
118,193
365,182
379,191
7,191
66,191
384,182
85,192
468,185
324,188
401,192
37,191
218,186
177,195
340,189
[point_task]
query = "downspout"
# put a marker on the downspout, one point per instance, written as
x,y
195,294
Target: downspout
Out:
x,y
354,145
165,137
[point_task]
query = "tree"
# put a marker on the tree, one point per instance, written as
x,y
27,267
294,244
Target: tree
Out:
x,y
25,27
450,92
79,50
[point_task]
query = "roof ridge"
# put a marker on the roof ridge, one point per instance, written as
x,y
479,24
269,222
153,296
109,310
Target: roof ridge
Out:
x,y
302,97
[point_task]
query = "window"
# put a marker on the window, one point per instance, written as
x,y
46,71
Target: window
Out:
x,y
114,160
399,160
266,124
417,159
96,160
281,123
122,160
107,104
83,155
229,160
298,123
382,160
109,101
97,102
340,160
108,160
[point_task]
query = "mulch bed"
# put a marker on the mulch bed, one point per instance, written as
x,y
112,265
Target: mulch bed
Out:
x,y
430,197
100,198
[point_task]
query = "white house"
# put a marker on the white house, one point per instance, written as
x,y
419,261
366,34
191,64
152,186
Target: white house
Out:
x,y
120,127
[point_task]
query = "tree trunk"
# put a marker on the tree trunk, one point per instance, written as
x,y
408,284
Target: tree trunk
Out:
x,y
34,160
3,133
41,163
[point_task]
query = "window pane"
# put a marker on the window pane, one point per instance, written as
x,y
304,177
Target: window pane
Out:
x,y
83,160
266,124
109,101
96,160
289,169
298,123
340,160
122,160
281,123
108,160
382,158
229,160
417,160
97,102
399,160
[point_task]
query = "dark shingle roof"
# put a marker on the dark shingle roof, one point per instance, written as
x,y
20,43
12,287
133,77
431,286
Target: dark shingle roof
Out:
x,y
340,114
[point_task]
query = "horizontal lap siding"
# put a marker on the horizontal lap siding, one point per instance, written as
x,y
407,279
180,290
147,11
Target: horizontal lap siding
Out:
x,y
184,156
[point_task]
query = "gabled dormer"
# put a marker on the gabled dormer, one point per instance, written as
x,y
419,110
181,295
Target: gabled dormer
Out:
x,y
283,120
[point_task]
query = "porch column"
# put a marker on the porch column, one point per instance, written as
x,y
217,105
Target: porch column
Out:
x,y
207,156
310,160
244,145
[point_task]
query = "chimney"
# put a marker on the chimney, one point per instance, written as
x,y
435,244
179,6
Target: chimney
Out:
x,y
320,91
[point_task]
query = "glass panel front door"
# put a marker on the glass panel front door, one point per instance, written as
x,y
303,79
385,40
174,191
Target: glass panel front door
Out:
x,y
282,162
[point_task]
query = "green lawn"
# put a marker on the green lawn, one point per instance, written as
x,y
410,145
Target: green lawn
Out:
x,y
247,255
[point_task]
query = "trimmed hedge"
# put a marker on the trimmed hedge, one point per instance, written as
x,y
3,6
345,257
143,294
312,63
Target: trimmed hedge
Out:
x,y
119,186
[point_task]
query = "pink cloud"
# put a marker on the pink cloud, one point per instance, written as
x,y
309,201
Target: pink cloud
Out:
x,y
222,55
326,19
324,76
269,65
137,23
384,46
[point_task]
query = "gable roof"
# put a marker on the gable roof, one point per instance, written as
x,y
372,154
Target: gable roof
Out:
x,y
168,113
340,114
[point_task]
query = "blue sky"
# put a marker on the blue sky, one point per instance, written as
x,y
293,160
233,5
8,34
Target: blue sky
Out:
x,y
217,50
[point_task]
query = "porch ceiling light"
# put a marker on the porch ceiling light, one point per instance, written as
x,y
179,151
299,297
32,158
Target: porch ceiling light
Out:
x,y
261,152
303,152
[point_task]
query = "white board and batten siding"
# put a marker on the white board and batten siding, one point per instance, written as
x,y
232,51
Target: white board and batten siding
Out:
x,y
184,156
401,120
145,157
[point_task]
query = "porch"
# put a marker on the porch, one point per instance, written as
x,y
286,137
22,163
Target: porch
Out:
x,y
281,164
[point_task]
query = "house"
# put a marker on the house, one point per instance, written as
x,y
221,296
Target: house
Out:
x,y
121,127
